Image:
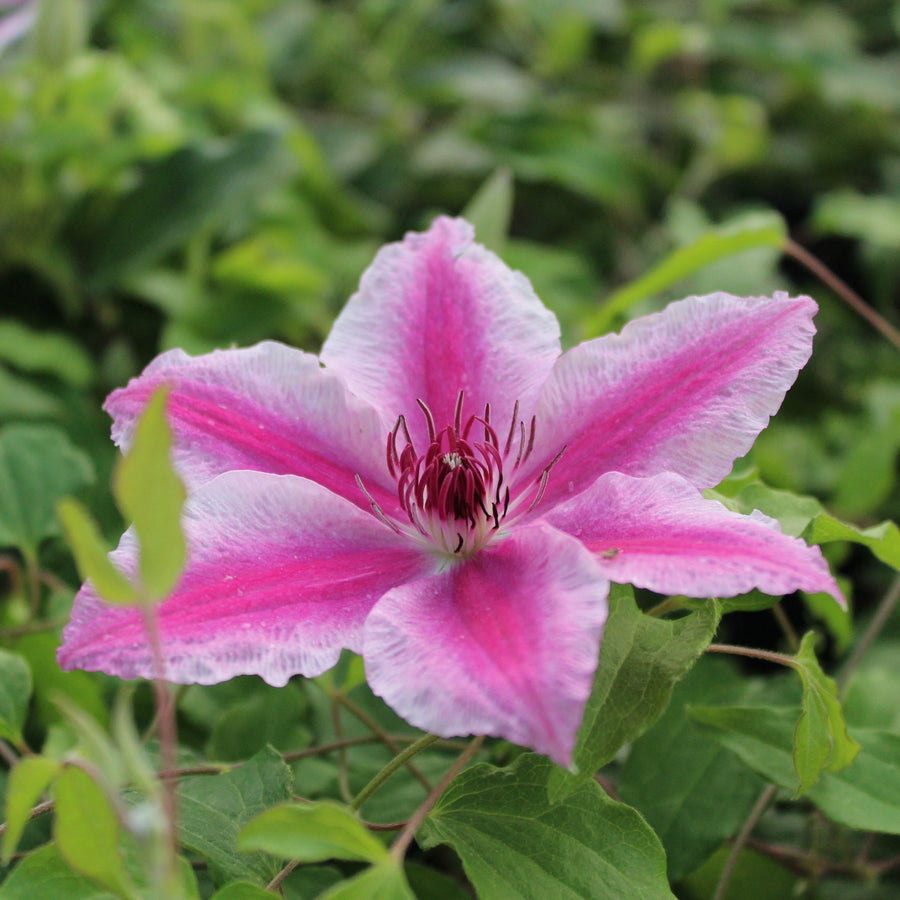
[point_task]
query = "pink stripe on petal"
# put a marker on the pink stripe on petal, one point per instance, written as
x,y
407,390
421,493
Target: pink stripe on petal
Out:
x,y
685,390
281,575
268,408
438,314
660,533
504,643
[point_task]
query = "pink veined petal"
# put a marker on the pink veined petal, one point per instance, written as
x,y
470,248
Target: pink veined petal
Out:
x,y
438,314
686,390
281,575
504,643
268,408
661,533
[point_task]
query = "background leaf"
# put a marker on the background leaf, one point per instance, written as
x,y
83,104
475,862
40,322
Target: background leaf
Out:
x,y
15,692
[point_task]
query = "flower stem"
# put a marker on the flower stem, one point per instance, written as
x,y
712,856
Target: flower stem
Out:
x,y
885,608
398,848
844,291
399,760
765,798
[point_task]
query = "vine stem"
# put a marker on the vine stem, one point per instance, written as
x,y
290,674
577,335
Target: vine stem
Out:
x,y
399,760
844,291
168,740
765,798
767,655
398,848
885,608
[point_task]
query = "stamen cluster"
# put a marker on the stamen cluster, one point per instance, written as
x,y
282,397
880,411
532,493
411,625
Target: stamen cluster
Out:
x,y
455,492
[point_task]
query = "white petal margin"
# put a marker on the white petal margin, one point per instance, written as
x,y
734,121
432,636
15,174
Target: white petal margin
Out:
x,y
686,390
281,575
270,408
661,533
437,314
504,643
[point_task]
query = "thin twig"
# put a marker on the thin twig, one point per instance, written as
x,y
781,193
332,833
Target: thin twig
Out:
x,y
275,883
398,848
36,811
844,291
7,754
343,771
399,760
373,726
32,628
765,798
754,653
879,620
786,627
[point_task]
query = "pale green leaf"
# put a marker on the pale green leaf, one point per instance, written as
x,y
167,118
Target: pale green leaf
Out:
x,y
87,831
517,845
150,494
45,875
490,210
821,739
28,780
384,881
91,556
762,230
242,890
311,832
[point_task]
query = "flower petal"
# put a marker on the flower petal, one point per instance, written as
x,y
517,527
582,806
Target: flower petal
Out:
x,y
438,314
504,643
685,390
281,575
269,408
661,533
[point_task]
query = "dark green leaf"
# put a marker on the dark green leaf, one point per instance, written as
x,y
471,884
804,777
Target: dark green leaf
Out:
x,y
311,832
174,198
712,793
641,659
150,494
15,692
515,844
865,795
213,810
38,464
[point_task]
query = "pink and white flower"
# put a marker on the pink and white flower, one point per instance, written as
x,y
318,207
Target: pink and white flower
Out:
x,y
445,492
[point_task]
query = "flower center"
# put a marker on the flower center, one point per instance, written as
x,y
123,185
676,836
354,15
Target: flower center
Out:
x,y
455,493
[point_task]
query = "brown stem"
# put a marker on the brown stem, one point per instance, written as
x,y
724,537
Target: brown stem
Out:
x,y
846,293
38,810
275,883
765,798
787,629
754,653
343,772
398,848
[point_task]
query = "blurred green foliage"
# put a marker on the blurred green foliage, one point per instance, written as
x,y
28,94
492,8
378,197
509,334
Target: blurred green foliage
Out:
x,y
206,173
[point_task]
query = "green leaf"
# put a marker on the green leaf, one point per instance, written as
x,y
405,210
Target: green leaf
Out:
x,y
708,801
214,808
516,845
44,351
762,230
821,740
311,832
45,874
91,555
384,881
490,210
865,795
38,464
29,778
641,659
87,831
15,692
176,196
150,494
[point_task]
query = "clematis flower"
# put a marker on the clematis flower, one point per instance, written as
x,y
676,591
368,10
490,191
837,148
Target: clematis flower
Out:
x,y
444,492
